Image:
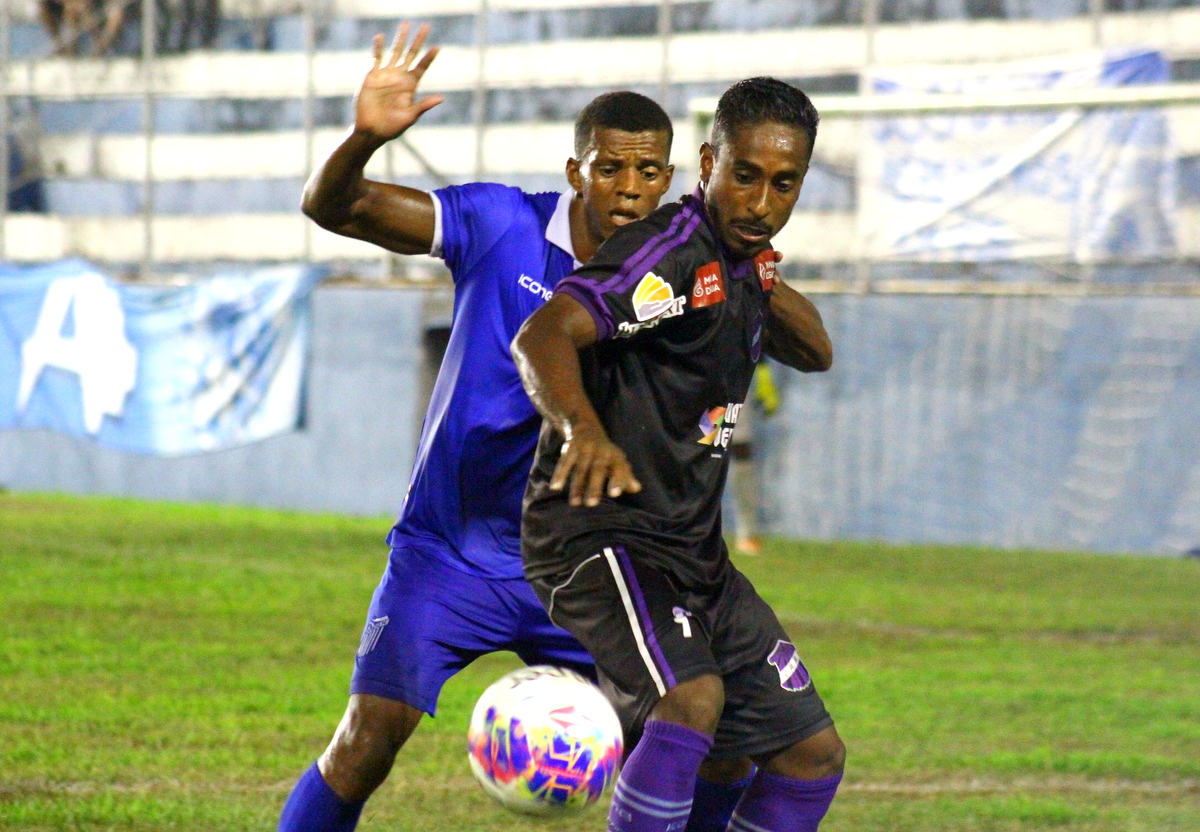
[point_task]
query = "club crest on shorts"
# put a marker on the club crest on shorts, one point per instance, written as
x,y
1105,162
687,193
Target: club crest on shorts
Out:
x,y
793,675
371,634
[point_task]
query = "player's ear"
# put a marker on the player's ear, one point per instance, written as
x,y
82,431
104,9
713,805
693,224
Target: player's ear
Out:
x,y
575,175
668,174
707,156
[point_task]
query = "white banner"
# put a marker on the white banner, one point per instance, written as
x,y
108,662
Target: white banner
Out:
x,y
1080,185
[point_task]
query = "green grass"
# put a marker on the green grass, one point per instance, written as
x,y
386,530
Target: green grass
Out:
x,y
177,667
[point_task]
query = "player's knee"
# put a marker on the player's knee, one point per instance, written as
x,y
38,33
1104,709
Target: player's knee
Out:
x,y
821,755
363,748
696,703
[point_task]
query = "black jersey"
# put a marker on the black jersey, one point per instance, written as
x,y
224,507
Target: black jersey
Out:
x,y
680,326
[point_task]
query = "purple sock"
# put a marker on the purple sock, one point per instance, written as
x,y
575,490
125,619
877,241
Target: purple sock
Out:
x,y
774,803
654,791
712,804
314,807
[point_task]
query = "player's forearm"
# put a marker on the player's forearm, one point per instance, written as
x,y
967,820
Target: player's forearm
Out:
x,y
795,334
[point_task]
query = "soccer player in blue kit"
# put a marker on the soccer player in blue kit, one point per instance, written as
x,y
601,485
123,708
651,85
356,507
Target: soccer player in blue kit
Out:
x,y
453,588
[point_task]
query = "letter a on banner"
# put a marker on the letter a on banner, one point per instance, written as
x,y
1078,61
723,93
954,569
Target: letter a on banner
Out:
x,y
97,350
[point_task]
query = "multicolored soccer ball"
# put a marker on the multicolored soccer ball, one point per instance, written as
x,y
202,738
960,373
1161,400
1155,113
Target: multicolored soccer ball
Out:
x,y
544,740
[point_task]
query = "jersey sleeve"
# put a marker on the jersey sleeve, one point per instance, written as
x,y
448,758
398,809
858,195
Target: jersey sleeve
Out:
x,y
640,277
471,219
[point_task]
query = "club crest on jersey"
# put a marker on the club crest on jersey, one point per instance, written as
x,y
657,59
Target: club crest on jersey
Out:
x,y
764,263
653,298
793,675
717,426
709,288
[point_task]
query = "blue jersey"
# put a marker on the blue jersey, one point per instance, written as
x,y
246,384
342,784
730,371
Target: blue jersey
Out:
x,y
472,464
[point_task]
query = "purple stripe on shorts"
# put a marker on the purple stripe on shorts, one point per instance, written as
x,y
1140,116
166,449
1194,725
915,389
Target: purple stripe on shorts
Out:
x,y
655,249
648,623
590,297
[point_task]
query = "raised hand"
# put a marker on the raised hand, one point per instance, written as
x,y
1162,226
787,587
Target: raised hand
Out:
x,y
387,103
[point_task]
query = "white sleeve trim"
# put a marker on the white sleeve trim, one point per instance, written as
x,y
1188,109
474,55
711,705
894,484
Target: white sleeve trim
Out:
x,y
435,250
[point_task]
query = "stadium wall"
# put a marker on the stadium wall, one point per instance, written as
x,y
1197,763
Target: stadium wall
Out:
x,y
1042,422
353,455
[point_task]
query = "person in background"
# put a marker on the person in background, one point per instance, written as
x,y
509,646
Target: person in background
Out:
x,y
744,470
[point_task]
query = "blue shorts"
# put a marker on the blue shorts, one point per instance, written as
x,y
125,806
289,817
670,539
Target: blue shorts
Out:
x,y
429,620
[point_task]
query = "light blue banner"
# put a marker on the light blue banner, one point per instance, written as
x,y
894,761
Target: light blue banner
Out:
x,y
162,370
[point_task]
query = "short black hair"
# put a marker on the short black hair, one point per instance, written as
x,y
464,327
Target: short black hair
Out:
x,y
756,100
623,110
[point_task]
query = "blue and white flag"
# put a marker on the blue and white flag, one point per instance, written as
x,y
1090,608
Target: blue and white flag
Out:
x,y
154,369
1073,184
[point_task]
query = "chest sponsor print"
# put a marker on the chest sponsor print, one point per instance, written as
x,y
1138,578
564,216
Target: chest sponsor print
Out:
x,y
709,287
653,298
717,426
530,285
793,675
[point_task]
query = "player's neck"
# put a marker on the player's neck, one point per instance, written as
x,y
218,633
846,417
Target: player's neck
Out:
x,y
582,239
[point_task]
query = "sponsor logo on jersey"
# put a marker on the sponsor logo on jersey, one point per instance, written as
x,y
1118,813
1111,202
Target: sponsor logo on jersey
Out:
x,y
653,298
764,262
527,282
717,425
709,287
793,675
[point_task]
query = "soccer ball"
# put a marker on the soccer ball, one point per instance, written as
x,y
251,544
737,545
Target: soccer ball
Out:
x,y
543,740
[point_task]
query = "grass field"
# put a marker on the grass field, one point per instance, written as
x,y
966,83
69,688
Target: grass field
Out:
x,y
177,667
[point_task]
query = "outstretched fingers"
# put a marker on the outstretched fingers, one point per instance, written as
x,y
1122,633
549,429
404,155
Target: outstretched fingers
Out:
x,y
398,44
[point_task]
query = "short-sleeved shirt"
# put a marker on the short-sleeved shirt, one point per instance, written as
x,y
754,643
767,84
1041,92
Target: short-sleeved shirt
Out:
x,y
680,325
506,250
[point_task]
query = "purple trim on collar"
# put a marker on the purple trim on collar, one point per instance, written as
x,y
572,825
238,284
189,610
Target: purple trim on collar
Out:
x,y
655,249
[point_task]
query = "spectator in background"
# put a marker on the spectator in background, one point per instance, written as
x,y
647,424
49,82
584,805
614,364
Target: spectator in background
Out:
x,y
744,473
71,23
182,25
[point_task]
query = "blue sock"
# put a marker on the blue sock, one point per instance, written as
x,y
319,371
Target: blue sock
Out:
x,y
313,807
654,791
774,803
713,803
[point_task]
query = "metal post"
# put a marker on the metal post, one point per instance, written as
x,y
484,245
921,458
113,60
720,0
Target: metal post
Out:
x,y
664,36
862,267
479,104
310,56
1096,12
5,52
148,58
870,26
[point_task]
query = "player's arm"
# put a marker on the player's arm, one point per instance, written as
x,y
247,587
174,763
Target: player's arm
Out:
x,y
795,334
338,197
546,352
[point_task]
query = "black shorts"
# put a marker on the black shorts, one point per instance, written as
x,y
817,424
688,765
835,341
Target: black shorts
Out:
x,y
647,635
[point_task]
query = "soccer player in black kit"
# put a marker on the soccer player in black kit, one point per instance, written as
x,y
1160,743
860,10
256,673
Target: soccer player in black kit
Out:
x,y
640,363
